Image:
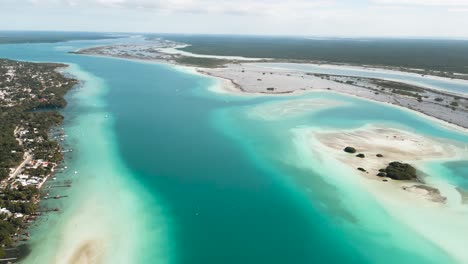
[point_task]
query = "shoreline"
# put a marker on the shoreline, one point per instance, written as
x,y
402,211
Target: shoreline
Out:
x,y
343,89
96,243
24,177
376,68
41,186
407,201
229,86
162,49
168,50
90,229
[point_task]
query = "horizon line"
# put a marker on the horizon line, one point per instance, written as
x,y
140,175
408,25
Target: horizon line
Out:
x,y
246,34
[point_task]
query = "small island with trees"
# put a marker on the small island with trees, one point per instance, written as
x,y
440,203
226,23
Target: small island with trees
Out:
x,y
395,170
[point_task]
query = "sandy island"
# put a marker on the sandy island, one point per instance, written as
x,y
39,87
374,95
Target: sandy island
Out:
x,y
430,209
411,203
384,145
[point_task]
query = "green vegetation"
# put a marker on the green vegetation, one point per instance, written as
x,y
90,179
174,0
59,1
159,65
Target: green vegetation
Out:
x,y
454,104
350,150
26,88
406,93
399,171
397,86
10,37
21,200
442,56
201,62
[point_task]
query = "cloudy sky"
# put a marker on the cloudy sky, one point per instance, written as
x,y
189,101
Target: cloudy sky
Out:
x,y
415,18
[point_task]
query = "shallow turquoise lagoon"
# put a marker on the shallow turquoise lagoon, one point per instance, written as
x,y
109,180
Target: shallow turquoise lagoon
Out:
x,y
168,172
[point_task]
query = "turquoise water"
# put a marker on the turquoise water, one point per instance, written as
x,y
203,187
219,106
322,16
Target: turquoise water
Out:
x,y
455,86
168,172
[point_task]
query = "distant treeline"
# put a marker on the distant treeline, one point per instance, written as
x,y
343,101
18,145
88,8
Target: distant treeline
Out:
x,y
436,55
7,37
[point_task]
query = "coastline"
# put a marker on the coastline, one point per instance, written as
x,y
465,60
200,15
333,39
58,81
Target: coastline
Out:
x,y
228,85
377,68
407,199
89,229
169,49
83,245
352,185
40,162
410,202
399,197
233,87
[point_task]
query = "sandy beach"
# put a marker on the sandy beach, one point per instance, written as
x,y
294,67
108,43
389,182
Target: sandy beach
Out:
x,y
384,145
410,203
424,207
243,76
432,209
290,108
90,229
255,79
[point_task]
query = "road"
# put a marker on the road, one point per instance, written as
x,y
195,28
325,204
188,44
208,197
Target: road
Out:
x,y
20,167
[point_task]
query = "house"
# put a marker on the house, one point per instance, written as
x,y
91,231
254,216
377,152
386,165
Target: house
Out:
x,y
18,215
5,211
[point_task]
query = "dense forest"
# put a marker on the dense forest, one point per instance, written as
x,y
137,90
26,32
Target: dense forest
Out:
x,y
429,54
9,37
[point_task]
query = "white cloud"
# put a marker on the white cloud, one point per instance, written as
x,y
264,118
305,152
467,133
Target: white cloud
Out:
x,y
298,17
269,7
458,10
435,3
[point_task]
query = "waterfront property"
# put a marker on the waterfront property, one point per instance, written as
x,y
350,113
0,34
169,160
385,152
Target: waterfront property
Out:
x,y
28,156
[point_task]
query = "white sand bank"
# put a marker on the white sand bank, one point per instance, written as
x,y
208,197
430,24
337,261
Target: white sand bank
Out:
x,y
393,144
290,108
254,79
422,211
177,51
